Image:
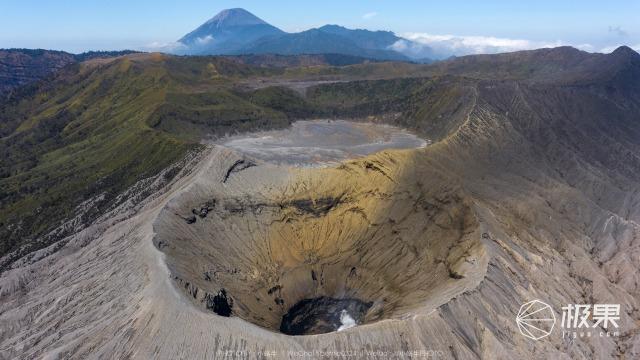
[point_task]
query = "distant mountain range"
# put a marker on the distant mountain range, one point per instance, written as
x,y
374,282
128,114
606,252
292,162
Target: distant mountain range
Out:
x,y
238,32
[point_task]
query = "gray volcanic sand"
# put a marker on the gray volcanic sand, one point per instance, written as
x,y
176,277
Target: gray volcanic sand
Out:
x,y
317,142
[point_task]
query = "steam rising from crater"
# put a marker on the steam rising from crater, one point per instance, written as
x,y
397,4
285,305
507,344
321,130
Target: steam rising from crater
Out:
x,y
346,320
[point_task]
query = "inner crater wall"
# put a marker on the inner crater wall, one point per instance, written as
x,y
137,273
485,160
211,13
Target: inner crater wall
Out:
x,y
253,240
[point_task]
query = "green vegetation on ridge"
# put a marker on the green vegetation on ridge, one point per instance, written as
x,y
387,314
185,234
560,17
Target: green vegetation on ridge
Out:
x,y
99,127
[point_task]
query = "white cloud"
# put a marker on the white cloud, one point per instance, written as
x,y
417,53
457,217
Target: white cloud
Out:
x,y
369,15
412,49
585,47
175,47
617,30
168,47
466,45
204,40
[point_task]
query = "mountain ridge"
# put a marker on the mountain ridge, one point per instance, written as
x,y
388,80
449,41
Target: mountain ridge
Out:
x,y
237,32
20,67
316,41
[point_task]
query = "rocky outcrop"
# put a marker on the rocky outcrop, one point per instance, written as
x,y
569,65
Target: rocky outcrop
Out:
x,y
20,67
237,166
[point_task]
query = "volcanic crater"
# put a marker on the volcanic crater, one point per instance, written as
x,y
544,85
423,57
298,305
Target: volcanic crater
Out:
x,y
307,244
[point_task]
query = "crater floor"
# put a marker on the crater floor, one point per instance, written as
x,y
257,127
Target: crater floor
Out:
x,y
313,142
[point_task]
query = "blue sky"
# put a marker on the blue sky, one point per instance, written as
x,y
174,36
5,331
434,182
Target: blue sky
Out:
x,y
468,26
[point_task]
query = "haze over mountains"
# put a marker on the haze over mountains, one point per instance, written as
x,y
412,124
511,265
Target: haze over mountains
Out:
x,y
237,31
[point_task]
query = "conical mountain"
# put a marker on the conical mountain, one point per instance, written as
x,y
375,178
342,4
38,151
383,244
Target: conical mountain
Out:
x,y
226,32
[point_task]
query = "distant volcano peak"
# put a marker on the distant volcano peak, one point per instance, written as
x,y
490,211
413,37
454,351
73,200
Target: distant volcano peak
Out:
x,y
228,31
235,17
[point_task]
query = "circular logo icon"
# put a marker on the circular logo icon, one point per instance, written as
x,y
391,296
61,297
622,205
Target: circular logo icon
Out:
x,y
535,319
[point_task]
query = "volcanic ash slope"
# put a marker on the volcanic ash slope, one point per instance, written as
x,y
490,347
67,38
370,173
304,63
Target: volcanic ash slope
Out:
x,y
375,229
444,242
394,229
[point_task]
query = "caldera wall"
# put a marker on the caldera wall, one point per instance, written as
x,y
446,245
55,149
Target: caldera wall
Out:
x,y
254,240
